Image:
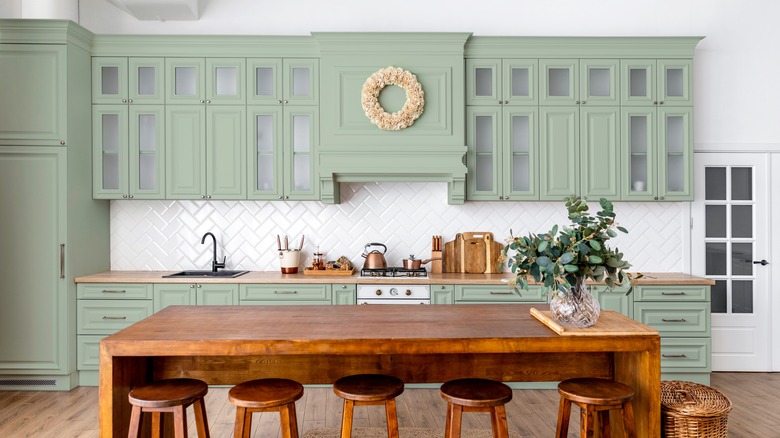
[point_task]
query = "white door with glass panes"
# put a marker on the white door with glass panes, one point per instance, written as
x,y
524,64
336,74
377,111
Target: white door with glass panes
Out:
x,y
730,245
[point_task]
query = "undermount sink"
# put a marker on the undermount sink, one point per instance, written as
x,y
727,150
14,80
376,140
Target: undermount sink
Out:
x,y
206,274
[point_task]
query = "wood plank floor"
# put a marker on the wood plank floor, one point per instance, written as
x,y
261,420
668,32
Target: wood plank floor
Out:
x,y
532,413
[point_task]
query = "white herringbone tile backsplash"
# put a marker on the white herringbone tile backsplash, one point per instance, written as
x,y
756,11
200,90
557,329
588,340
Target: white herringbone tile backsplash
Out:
x,y
166,235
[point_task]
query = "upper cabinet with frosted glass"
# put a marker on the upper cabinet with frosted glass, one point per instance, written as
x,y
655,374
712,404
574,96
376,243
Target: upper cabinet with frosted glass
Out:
x,y
217,81
578,82
501,82
288,81
121,80
651,82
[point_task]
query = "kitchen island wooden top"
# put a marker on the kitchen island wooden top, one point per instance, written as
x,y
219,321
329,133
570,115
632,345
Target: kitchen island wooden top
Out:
x,y
419,344
260,277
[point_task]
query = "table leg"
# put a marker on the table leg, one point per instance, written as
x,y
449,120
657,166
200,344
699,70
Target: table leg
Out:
x,y
642,371
118,375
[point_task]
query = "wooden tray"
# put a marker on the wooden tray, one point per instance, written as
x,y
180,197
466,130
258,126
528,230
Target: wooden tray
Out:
x,y
609,323
329,272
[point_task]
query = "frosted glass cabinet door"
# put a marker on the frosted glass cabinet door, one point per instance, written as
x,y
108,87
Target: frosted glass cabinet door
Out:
x,y
483,82
145,80
638,140
674,154
519,83
599,82
184,80
301,136
264,158
650,82
300,83
225,81
675,82
520,149
638,82
483,140
109,161
559,81
109,80
146,152
264,80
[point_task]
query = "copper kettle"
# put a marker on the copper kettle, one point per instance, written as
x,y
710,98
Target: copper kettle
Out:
x,y
374,259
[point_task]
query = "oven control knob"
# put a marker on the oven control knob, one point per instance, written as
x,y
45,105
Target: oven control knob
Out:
x,y
393,291
379,291
408,292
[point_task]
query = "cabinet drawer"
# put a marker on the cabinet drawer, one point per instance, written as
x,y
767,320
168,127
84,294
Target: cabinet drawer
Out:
x,y
672,293
114,291
685,354
88,351
104,317
285,292
500,293
675,319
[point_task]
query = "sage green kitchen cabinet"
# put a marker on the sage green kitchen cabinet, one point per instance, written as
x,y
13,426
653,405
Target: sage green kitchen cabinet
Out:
x,y
442,294
599,151
211,81
559,160
194,294
579,82
615,299
277,81
501,293
507,82
205,148
657,146
123,80
128,151
282,158
285,294
502,159
34,94
344,294
656,82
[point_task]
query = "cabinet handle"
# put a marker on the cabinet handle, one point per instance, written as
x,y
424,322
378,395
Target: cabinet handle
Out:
x,y
286,101
107,291
124,196
673,320
343,286
208,101
506,102
208,196
130,196
62,260
130,100
281,197
500,102
577,102
443,287
584,102
202,101
117,318
680,356
285,292
655,102
279,101
192,286
286,197
672,293
662,102
501,293
662,198
124,100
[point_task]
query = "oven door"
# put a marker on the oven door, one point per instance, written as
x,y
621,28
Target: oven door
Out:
x,y
391,301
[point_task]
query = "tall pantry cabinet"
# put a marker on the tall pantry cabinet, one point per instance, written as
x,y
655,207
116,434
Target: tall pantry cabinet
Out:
x,y
50,227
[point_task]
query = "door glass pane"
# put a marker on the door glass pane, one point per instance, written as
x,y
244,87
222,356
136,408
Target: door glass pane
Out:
x,y
715,183
484,173
638,138
741,221
301,134
484,81
520,82
300,82
715,258
110,136
264,81
675,181
186,81
741,259
718,296
520,134
109,80
301,178
742,296
674,82
639,134
599,80
111,171
147,132
484,134
558,82
715,216
227,81
741,183
675,134
265,172
146,81
520,173
637,78
147,174
265,133
639,173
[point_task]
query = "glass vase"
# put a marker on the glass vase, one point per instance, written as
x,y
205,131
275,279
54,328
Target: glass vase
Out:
x,y
578,308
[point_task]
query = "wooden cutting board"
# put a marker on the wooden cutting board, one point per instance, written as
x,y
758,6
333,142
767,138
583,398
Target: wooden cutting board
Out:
x,y
452,254
493,252
474,256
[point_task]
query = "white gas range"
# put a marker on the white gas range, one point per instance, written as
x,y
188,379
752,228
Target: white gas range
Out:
x,y
394,286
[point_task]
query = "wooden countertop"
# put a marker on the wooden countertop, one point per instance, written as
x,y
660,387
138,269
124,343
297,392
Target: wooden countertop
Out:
x,y
260,277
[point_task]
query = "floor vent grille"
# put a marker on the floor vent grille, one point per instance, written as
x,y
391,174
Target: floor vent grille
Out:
x,y
28,382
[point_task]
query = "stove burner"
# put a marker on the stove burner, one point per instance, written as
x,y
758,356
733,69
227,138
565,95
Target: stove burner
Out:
x,y
394,272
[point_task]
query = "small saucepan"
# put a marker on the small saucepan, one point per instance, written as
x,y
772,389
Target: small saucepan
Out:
x,y
413,263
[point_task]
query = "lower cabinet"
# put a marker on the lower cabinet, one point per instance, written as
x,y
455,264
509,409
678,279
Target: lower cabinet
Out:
x,y
442,294
344,293
286,293
194,294
502,293
103,309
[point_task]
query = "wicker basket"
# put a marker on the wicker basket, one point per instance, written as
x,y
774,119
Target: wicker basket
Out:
x,y
692,410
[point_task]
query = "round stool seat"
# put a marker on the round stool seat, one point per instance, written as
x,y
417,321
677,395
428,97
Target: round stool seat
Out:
x,y
593,391
168,393
265,393
476,393
368,387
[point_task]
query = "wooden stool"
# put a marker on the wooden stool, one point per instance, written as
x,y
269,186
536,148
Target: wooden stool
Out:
x,y
172,395
369,389
476,395
595,396
266,395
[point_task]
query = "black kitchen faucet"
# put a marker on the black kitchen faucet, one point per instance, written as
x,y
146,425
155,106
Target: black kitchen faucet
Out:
x,y
214,263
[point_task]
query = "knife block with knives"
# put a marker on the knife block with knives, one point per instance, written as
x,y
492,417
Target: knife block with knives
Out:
x,y
472,252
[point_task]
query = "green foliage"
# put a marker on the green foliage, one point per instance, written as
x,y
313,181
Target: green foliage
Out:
x,y
557,258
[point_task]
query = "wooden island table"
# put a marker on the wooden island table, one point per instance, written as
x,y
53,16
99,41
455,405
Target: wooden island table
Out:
x,y
225,345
